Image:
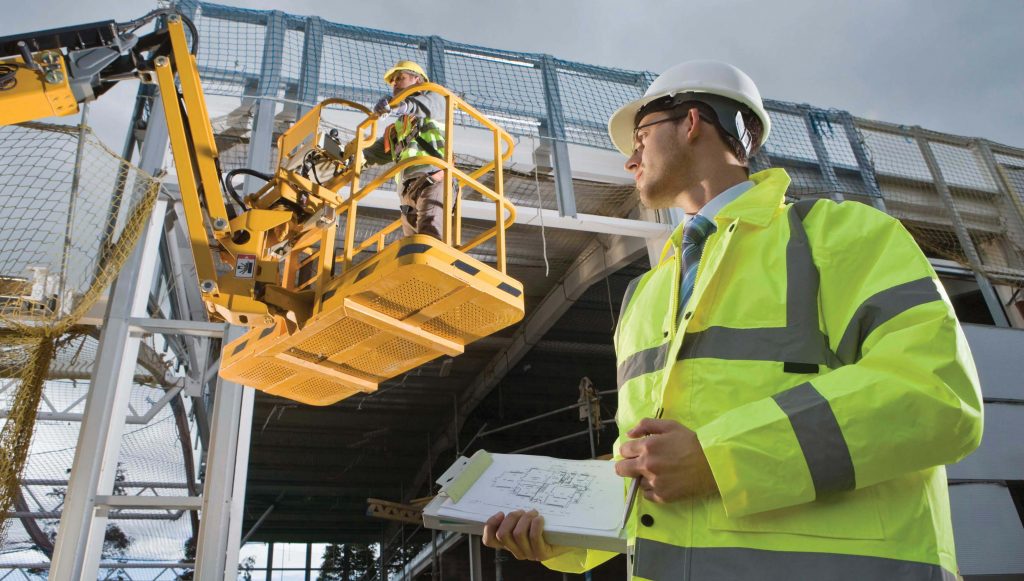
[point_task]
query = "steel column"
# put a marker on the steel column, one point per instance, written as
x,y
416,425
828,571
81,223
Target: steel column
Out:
x,y
476,571
864,163
435,59
107,401
213,560
309,560
988,292
79,543
241,473
260,142
312,52
820,151
554,130
499,560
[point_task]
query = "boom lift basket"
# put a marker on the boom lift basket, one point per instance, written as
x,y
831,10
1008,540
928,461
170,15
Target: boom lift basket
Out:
x,y
414,300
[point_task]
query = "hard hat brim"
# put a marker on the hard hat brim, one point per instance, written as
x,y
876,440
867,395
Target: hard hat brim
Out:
x,y
395,70
620,124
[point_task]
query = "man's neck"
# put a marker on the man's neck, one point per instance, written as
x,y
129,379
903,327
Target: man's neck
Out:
x,y
695,197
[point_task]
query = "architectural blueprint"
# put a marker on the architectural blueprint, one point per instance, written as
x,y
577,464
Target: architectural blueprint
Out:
x,y
575,494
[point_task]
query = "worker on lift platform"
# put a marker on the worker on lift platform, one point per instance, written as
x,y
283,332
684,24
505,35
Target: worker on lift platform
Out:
x,y
418,131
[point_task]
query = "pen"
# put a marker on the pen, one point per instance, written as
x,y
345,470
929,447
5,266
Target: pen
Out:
x,y
634,486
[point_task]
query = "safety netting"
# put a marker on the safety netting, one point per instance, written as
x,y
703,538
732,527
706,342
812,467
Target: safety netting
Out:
x,y
964,203
71,212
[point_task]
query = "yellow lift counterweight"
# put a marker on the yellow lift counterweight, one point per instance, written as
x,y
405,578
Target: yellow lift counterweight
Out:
x,y
323,327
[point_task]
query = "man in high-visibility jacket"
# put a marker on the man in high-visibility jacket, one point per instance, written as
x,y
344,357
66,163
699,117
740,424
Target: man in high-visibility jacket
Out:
x,y
417,132
792,378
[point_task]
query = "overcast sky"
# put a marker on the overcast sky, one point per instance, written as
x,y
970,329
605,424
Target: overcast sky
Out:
x,y
952,66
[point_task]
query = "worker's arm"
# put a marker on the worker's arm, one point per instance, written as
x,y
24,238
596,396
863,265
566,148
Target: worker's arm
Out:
x,y
375,154
425,104
906,399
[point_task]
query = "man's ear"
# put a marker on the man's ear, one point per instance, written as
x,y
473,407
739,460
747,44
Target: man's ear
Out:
x,y
691,125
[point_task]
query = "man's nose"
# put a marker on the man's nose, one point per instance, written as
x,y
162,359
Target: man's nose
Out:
x,y
633,162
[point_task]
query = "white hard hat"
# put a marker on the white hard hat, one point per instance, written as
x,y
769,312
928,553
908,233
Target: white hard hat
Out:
x,y
707,77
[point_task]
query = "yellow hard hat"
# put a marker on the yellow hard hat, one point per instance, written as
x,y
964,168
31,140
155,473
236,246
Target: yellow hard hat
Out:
x,y
405,66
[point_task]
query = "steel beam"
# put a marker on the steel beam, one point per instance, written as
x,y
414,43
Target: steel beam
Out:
x,y
528,216
150,502
425,557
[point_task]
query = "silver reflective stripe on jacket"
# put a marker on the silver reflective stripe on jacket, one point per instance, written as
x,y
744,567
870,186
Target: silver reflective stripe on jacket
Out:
x,y
643,362
878,309
820,437
665,562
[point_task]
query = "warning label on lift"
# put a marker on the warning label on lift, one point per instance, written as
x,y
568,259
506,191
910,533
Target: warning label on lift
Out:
x,y
245,266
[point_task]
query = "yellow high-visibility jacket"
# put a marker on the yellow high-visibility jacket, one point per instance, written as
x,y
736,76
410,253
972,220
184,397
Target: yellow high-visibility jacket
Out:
x,y
828,381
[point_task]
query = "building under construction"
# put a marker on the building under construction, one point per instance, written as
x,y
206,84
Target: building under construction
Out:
x,y
145,464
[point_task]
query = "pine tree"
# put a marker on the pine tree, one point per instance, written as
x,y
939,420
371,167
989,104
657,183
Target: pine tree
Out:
x,y
331,569
348,562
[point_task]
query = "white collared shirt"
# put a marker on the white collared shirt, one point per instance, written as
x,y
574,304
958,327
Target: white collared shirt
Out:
x,y
711,209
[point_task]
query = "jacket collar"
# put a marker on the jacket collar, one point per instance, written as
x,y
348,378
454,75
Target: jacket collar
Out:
x,y
756,206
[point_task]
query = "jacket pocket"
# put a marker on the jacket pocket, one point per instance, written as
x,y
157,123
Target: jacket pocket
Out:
x,y
850,515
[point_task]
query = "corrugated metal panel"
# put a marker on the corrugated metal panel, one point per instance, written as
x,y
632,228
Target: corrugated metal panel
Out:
x,y
989,536
1001,454
997,353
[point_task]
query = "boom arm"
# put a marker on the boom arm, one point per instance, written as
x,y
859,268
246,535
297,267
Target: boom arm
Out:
x,y
238,248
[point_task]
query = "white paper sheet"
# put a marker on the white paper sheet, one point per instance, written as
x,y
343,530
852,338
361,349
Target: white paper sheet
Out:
x,y
570,494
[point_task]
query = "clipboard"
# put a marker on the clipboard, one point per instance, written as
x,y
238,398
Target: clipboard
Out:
x,y
583,501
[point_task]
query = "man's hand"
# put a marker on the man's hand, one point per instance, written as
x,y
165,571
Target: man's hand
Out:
x,y
522,534
383,106
668,458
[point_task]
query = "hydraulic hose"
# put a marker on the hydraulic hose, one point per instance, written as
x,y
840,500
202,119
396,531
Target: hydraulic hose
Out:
x,y
243,171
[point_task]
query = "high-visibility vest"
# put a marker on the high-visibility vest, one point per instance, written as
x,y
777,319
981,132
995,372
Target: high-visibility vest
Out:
x,y
828,381
413,136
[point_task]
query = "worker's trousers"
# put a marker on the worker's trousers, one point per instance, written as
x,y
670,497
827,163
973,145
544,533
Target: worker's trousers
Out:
x,y
422,200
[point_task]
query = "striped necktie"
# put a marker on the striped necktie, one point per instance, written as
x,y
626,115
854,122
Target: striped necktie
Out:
x,y
695,233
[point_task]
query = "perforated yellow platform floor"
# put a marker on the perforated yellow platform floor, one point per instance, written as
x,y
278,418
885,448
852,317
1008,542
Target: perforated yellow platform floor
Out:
x,y
417,300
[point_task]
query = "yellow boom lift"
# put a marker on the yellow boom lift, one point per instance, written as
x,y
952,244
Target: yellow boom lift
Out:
x,y
325,321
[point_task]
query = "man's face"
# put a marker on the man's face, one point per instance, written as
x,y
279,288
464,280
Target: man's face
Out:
x,y
402,80
660,158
